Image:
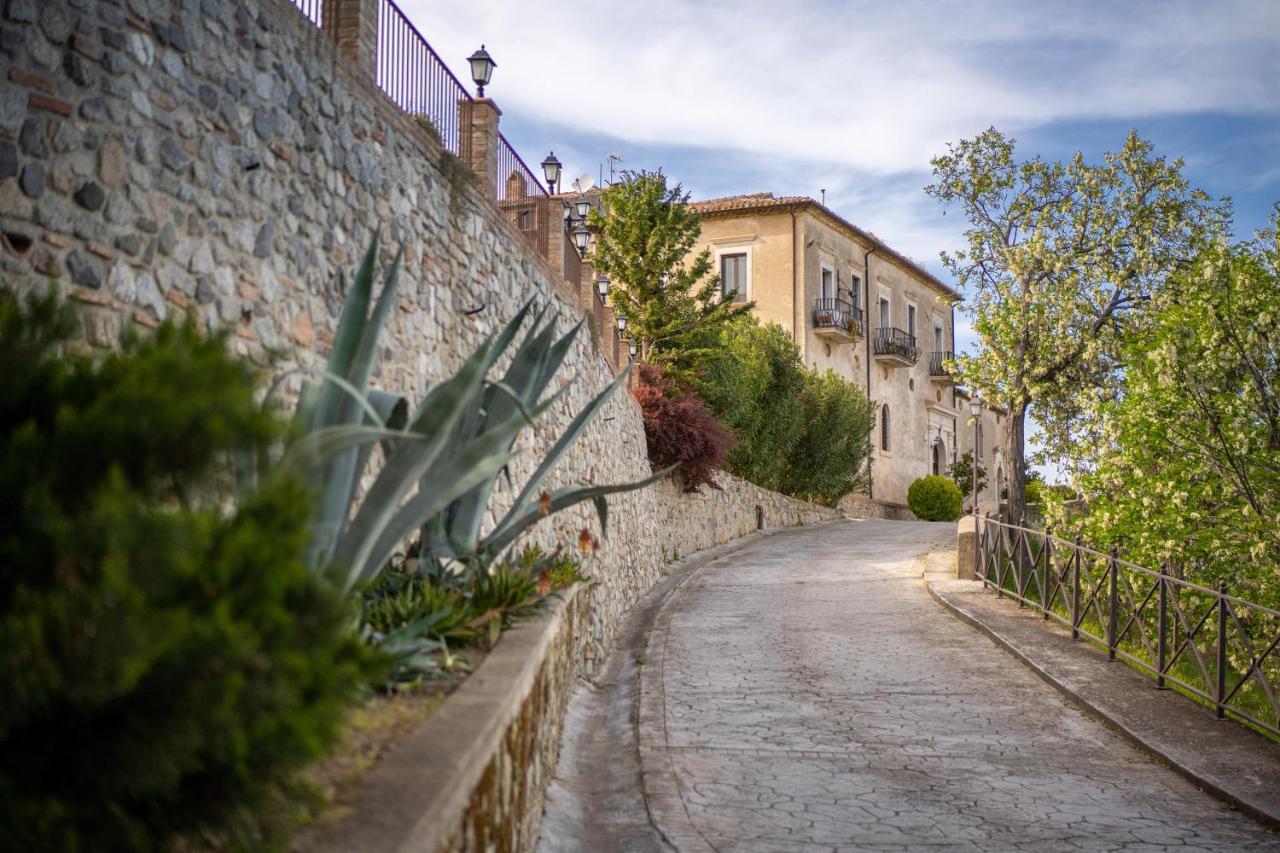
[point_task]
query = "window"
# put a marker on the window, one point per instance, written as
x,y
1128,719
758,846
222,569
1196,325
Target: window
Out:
x,y
828,283
884,428
884,313
937,338
911,320
733,275
855,287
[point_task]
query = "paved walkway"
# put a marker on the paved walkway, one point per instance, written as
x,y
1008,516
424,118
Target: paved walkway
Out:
x,y
806,694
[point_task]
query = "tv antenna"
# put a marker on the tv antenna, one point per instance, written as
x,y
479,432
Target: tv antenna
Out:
x,y
613,158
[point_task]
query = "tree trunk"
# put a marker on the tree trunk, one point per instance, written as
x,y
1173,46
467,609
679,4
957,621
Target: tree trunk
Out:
x,y
1017,471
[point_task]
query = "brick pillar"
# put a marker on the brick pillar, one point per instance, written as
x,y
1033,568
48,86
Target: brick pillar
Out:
x,y
586,288
353,26
478,128
553,238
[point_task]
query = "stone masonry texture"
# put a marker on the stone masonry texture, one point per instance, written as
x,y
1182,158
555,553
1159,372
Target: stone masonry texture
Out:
x,y
805,694
223,161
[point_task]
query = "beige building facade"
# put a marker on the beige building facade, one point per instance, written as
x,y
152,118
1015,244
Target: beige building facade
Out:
x,y
854,305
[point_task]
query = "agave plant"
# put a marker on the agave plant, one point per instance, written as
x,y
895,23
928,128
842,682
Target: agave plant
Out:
x,y
443,460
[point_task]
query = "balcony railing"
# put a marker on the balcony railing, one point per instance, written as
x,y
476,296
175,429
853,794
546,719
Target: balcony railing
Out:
x,y
896,343
837,314
938,363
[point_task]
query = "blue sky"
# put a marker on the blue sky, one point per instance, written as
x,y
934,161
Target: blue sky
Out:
x,y
855,97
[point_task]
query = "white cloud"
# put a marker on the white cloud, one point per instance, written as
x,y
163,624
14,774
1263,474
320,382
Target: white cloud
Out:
x,y
865,85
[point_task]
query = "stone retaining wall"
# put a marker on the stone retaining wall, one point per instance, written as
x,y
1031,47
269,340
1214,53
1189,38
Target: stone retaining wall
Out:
x,y
861,506
220,160
692,522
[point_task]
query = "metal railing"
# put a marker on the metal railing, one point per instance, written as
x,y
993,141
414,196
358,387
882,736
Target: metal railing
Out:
x,y
515,179
1214,647
312,10
890,341
938,363
415,77
836,313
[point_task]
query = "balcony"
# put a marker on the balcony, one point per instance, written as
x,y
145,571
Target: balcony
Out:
x,y
938,366
896,347
836,320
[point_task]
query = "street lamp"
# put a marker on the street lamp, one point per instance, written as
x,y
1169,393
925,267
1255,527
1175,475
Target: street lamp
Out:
x,y
602,285
584,207
975,409
622,323
482,66
551,171
631,345
580,238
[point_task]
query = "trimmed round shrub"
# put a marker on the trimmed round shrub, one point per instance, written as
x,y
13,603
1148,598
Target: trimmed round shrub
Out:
x,y
935,498
680,430
168,660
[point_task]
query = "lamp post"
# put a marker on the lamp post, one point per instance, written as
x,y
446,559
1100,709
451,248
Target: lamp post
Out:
x,y
602,285
482,66
551,171
584,207
622,323
581,236
975,409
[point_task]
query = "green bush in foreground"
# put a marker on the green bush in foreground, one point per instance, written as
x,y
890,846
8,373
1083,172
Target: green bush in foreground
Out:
x,y
168,660
935,499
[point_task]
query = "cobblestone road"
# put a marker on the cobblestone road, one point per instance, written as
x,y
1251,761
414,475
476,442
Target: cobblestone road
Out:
x,y
806,694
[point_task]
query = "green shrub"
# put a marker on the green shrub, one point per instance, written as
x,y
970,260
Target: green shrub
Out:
x,y
935,499
799,432
168,660
832,457
755,386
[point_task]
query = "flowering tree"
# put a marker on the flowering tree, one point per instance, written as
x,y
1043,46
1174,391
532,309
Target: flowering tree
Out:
x,y
1189,465
1059,255
643,238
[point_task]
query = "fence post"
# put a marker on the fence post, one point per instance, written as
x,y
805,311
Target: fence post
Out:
x,y
1019,566
1113,617
998,549
353,26
1075,592
1220,693
478,140
1162,627
1046,549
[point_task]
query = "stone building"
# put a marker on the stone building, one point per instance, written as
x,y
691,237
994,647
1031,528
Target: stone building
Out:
x,y
856,306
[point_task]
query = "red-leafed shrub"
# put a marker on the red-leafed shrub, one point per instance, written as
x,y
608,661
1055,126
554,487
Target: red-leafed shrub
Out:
x,y
680,430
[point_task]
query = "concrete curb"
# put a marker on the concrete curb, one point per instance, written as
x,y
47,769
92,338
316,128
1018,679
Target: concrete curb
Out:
x,y
1238,791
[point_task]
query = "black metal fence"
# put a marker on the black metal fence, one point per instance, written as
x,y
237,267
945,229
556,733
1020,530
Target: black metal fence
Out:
x,y
1215,647
837,313
515,179
413,75
896,342
312,10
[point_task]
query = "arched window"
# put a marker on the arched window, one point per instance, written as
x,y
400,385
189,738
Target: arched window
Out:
x,y
884,428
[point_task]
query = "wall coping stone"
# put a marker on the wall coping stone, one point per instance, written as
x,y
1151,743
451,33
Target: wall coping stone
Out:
x,y
417,794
